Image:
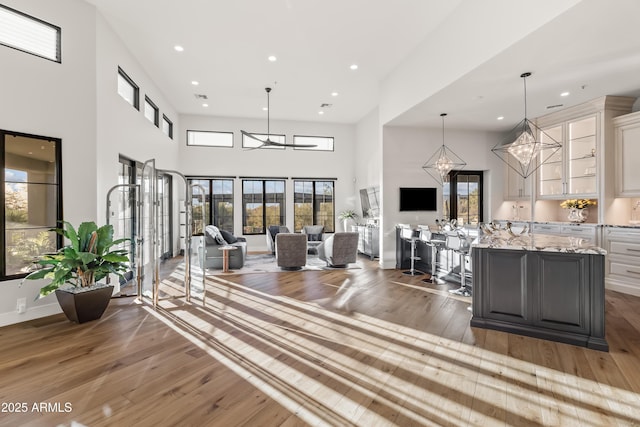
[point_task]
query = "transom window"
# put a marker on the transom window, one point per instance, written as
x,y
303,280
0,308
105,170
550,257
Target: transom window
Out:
x,y
263,204
128,90
313,204
151,111
31,192
167,126
210,138
28,34
322,143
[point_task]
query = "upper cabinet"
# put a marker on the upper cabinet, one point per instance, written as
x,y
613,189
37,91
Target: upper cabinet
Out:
x,y
571,170
516,187
627,151
577,170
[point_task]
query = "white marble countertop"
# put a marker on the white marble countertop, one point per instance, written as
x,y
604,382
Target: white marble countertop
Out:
x,y
580,224
538,242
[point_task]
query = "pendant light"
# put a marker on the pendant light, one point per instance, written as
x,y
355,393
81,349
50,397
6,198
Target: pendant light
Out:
x,y
441,164
529,145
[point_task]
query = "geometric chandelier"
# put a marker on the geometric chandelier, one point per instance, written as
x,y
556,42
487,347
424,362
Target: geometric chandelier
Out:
x,y
441,164
527,143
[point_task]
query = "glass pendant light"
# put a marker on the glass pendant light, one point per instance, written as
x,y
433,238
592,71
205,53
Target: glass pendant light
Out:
x,y
441,164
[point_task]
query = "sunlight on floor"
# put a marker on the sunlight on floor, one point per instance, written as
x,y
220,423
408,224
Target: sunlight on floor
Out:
x,y
330,365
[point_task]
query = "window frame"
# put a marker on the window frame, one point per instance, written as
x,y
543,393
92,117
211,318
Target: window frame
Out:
x,y
136,89
264,201
314,148
59,195
211,215
154,108
453,194
169,133
210,131
58,31
315,204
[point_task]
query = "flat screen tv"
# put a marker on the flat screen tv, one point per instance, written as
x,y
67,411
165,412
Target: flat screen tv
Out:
x,y
418,199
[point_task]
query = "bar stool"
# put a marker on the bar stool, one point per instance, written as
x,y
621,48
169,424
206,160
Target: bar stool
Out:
x,y
457,242
409,235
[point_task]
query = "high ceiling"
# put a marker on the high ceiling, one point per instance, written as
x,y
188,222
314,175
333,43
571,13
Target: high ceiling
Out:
x,y
590,50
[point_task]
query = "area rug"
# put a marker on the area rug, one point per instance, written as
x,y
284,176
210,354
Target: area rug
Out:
x,y
266,263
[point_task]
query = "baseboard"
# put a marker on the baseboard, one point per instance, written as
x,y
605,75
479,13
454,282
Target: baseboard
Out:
x,y
625,288
37,312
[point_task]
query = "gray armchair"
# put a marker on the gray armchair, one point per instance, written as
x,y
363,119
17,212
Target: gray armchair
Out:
x,y
339,249
314,236
291,250
272,232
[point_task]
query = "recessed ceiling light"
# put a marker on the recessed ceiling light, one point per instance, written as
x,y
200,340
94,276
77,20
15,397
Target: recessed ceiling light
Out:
x,y
500,118
564,94
321,112
195,83
272,58
354,66
265,109
334,93
205,105
178,48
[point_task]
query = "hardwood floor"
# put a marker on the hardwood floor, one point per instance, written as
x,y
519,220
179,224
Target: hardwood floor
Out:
x,y
363,347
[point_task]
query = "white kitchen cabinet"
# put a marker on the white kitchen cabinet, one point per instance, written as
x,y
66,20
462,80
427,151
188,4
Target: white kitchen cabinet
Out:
x,y
516,187
582,231
622,263
627,149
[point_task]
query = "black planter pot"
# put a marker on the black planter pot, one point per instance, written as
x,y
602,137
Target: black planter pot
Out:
x,y
84,306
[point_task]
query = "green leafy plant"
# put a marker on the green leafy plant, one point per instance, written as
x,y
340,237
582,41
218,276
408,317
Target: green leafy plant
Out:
x,y
348,214
87,259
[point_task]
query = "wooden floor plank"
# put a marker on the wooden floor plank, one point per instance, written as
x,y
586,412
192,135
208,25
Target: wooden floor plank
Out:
x,y
359,347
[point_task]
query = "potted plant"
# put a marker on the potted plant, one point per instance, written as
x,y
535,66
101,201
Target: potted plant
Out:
x,y
75,269
347,215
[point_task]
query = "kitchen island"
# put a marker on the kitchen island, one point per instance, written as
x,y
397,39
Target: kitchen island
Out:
x,y
549,287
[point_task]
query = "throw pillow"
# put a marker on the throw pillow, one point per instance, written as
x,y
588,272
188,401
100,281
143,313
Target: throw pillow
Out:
x,y
213,232
230,238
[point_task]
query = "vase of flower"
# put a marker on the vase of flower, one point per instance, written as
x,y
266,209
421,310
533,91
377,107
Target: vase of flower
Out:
x,y
578,215
578,211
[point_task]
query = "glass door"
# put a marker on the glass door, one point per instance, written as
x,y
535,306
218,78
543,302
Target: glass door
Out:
x,y
466,197
550,174
581,157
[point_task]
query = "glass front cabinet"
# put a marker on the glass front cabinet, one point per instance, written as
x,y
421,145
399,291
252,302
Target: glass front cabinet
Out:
x,y
573,169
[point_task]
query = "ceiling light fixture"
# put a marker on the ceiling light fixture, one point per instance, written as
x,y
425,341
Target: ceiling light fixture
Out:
x,y
205,105
525,142
565,94
272,58
354,66
321,112
334,93
500,118
268,142
178,48
444,163
195,83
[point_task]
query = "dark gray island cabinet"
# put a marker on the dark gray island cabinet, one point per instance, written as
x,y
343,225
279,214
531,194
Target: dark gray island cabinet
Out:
x,y
546,287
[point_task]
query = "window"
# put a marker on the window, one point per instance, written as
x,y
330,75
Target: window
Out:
x,y
217,192
262,205
167,126
313,204
248,142
151,111
463,197
28,34
32,200
128,90
210,138
322,143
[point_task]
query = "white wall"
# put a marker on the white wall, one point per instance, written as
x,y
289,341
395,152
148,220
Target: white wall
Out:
x,y
77,101
405,150
472,34
265,163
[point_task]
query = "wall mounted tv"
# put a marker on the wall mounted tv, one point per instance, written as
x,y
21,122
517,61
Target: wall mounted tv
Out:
x,y
418,199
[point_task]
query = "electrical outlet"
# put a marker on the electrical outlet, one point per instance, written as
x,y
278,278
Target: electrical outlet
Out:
x,y
21,305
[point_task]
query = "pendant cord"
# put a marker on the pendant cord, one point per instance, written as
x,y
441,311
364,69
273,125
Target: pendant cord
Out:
x,y
268,117
525,96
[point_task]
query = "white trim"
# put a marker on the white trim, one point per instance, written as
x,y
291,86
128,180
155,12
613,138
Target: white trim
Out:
x,y
36,312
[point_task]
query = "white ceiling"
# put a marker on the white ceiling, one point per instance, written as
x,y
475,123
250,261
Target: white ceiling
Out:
x,y
595,44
